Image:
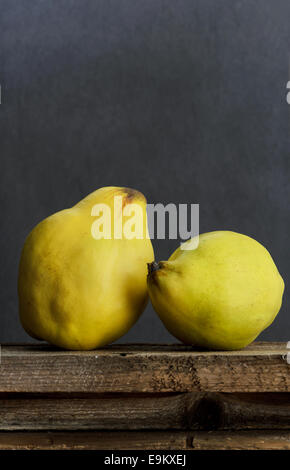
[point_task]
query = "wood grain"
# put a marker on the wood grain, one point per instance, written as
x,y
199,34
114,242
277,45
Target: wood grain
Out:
x,y
140,440
189,411
95,441
167,397
106,413
262,367
242,440
244,411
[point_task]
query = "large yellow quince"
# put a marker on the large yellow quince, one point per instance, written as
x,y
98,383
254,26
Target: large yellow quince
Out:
x,y
78,290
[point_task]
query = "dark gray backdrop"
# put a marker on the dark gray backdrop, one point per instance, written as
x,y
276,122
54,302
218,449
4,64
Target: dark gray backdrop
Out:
x,y
183,100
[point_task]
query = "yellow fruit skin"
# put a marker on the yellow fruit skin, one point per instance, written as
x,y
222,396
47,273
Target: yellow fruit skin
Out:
x,y
220,295
77,292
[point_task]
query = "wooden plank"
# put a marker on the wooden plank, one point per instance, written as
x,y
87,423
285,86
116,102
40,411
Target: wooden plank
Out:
x,y
242,440
170,440
262,367
107,413
158,412
244,411
94,441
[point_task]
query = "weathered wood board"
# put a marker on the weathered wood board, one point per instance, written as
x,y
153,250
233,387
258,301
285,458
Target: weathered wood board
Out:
x,y
96,441
145,397
185,411
261,367
146,440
